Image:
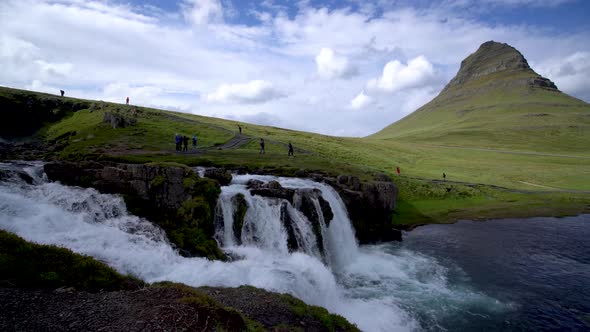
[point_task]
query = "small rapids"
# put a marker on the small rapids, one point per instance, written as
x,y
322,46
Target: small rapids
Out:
x,y
379,288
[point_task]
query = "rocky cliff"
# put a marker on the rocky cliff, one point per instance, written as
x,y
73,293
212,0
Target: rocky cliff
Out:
x,y
491,58
172,196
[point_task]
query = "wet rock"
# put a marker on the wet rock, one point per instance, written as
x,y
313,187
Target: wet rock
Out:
x,y
305,204
15,175
273,189
240,209
220,175
287,222
370,206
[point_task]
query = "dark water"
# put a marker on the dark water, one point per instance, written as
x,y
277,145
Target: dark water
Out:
x,y
540,267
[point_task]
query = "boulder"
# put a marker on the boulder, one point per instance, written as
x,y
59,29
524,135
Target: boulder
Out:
x,y
220,175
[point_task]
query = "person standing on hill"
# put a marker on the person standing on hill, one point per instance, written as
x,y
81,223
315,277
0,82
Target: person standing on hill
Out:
x,y
62,92
240,129
127,101
290,150
178,140
444,177
261,146
397,170
194,141
185,143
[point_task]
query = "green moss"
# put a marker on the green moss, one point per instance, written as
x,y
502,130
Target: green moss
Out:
x,y
332,322
157,181
26,264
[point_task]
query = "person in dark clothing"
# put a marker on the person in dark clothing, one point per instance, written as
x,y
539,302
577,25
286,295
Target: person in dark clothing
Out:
x,y
62,92
195,141
444,177
290,149
178,142
127,101
240,129
185,143
261,146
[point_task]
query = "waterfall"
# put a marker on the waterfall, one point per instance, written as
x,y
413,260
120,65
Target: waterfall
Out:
x,y
269,220
379,288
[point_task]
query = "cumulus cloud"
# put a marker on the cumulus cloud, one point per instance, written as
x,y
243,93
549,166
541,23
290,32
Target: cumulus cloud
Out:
x,y
160,61
253,92
570,74
360,101
397,76
201,12
330,65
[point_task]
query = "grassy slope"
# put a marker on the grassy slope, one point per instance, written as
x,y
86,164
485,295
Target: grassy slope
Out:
x,y
420,200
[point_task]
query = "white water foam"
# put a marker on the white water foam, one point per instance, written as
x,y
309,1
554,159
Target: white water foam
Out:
x,y
375,289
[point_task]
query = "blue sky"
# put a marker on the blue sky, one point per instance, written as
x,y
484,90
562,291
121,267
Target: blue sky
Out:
x,y
345,67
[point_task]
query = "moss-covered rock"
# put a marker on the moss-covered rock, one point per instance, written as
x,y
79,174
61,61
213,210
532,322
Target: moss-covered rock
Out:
x,y
170,195
25,264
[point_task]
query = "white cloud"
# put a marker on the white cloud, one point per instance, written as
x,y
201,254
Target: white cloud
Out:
x,y
330,65
159,60
360,101
253,92
201,12
397,76
570,73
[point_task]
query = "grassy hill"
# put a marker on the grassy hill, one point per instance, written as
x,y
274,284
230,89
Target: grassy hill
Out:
x,y
497,123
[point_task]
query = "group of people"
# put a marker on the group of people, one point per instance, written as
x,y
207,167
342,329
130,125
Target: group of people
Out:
x,y
182,142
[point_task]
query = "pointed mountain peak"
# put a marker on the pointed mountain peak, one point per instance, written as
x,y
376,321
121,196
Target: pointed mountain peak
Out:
x,y
497,58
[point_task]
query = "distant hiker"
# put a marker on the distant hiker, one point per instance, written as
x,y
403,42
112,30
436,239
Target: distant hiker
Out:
x,y
127,101
178,142
261,146
290,149
62,92
185,143
195,141
444,177
397,170
240,129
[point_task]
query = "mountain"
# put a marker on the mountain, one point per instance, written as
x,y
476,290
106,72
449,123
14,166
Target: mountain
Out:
x,y
497,101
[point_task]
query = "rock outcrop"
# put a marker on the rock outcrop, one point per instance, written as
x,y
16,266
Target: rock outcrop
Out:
x,y
173,197
118,120
221,175
370,207
24,112
493,57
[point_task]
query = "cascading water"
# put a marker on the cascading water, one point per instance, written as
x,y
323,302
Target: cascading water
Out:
x,y
380,288
264,224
